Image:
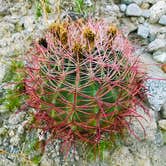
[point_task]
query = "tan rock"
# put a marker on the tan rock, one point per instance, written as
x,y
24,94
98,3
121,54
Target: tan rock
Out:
x,y
162,124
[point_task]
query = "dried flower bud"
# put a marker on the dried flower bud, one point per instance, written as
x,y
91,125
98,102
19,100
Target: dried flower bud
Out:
x,y
112,31
89,35
60,31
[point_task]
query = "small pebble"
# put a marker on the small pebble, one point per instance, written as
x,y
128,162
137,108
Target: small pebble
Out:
x,y
145,5
123,7
11,133
163,67
162,20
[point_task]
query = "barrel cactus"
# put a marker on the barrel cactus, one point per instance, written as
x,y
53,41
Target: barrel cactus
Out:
x,y
84,83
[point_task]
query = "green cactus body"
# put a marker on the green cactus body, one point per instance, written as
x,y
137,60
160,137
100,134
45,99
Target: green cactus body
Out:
x,y
82,89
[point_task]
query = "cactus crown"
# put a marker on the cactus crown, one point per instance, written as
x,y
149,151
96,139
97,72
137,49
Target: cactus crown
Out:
x,y
82,94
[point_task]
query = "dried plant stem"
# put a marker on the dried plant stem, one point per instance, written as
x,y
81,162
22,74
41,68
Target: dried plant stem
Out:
x,y
44,11
58,10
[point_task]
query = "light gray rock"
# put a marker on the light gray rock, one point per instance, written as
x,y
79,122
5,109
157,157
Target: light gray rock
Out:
x,y
133,10
157,10
4,8
160,56
127,2
163,111
162,124
145,154
156,31
156,44
123,7
4,11
150,125
157,92
128,26
145,13
162,20
143,31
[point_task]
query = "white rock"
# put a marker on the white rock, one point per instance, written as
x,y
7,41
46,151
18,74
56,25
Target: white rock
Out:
x,y
123,7
88,2
28,22
162,20
133,10
143,31
156,44
160,56
162,124
15,140
20,129
11,133
157,10
16,118
112,8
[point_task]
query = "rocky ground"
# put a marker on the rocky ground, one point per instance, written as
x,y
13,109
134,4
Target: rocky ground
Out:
x,y
144,22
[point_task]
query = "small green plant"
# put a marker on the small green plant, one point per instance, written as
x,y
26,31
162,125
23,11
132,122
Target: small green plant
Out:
x,y
80,7
12,96
33,148
42,8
